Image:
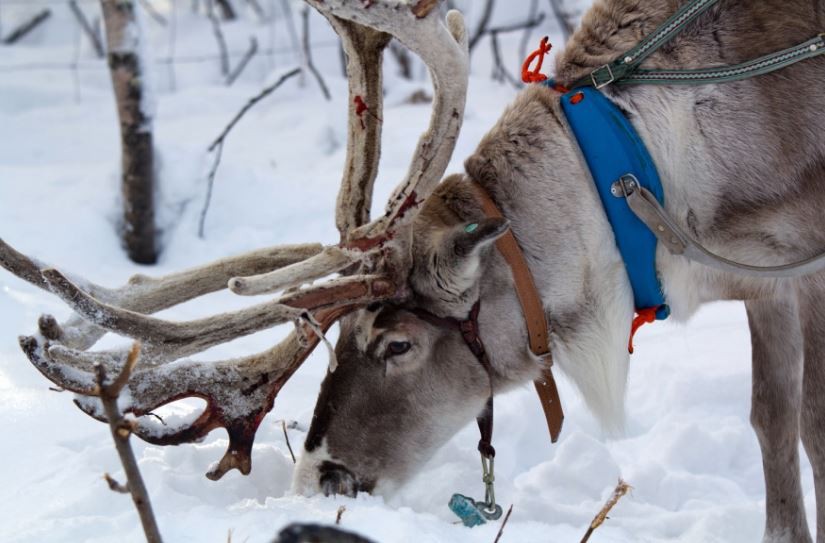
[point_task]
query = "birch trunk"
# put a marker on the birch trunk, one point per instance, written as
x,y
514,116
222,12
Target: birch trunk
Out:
x,y
123,38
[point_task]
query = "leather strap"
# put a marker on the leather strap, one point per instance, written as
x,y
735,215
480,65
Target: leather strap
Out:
x,y
534,316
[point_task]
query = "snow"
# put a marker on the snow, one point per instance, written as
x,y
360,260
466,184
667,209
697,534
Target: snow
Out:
x,y
689,452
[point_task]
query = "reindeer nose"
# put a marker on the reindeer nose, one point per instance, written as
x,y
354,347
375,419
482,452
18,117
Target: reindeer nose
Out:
x,y
337,479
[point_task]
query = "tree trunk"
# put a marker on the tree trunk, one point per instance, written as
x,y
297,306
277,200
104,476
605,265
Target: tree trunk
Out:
x,y
123,37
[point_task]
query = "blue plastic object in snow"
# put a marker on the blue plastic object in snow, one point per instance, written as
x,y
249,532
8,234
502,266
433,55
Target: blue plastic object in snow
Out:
x,y
471,512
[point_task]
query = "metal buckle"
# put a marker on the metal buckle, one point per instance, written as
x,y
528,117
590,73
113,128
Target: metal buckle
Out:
x,y
606,83
625,186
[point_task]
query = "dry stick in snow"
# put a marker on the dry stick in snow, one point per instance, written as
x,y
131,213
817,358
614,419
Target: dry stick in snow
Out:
x,y
27,27
288,446
121,431
339,514
621,489
94,39
217,145
308,55
563,17
222,49
503,524
253,49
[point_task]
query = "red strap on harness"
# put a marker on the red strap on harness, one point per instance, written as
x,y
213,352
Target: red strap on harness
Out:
x,y
535,76
643,316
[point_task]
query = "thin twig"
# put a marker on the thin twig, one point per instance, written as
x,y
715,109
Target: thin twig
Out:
x,y
500,73
121,431
27,27
503,524
87,28
563,18
153,13
531,22
308,55
227,10
253,48
115,485
292,454
339,514
217,145
525,38
252,101
621,489
210,183
256,7
222,49
481,29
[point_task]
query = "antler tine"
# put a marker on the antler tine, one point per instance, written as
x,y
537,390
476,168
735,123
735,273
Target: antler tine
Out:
x,y
238,392
149,295
445,51
331,260
167,340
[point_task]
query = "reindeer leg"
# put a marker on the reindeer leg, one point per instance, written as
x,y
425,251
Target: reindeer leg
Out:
x,y
812,318
776,341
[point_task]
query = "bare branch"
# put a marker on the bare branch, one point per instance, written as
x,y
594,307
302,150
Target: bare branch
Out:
x,y
307,48
223,52
18,33
114,485
153,13
503,524
564,19
227,11
253,48
121,431
483,22
286,438
252,101
217,145
94,39
621,489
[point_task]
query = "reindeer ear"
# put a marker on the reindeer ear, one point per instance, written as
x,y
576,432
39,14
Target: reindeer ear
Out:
x,y
474,236
459,262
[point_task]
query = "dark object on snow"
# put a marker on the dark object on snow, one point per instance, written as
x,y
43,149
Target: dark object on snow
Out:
x,y
315,533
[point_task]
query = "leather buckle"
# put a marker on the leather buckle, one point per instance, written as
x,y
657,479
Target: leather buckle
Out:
x,y
605,83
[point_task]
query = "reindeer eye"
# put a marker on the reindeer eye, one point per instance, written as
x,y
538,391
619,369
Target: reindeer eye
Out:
x,y
396,348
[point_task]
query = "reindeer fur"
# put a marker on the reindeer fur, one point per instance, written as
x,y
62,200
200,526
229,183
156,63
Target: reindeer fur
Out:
x,y
743,170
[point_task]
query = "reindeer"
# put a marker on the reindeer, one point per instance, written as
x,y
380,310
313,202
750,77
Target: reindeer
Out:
x,y
743,167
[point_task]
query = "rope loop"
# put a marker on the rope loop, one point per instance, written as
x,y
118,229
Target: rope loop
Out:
x,y
535,76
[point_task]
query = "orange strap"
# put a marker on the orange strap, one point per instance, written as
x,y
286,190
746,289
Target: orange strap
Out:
x,y
643,316
535,76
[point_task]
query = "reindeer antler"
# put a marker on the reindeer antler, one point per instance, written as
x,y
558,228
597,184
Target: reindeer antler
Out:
x,y
239,392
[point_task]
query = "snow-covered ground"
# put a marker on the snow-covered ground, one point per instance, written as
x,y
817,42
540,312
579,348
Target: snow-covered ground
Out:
x,y
689,451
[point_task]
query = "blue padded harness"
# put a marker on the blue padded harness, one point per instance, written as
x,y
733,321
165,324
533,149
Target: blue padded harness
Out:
x,y
613,149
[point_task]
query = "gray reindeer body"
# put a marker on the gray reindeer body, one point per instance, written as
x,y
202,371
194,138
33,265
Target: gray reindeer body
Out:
x,y
743,170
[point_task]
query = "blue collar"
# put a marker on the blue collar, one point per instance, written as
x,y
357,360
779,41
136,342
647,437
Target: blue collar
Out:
x,y
613,150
